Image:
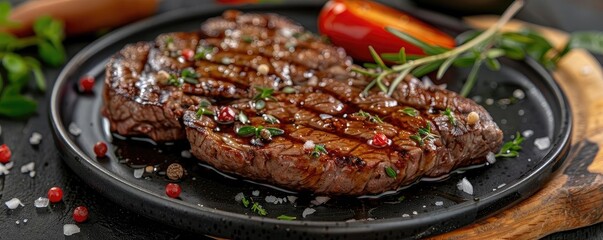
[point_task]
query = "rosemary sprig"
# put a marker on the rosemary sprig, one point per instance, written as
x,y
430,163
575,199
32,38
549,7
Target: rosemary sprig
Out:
x,y
423,134
441,59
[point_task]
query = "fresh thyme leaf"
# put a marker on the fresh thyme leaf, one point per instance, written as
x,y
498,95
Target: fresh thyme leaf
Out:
x,y
263,93
511,148
243,118
448,113
257,208
391,172
275,131
246,131
203,51
423,134
417,138
204,111
285,217
319,149
410,111
245,201
270,119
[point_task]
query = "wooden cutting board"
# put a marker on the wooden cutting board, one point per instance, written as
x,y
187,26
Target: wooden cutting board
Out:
x,y
574,196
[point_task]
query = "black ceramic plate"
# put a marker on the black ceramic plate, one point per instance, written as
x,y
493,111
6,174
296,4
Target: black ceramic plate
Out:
x,y
208,205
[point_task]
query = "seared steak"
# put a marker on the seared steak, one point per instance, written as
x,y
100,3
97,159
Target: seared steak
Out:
x,y
319,134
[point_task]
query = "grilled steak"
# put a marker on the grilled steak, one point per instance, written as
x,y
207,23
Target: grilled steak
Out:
x,y
266,100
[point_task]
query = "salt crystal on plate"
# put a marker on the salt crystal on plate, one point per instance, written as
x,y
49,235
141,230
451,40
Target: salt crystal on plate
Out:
x,y
3,169
415,212
307,212
319,200
527,133
35,138
491,158
270,199
25,220
70,229
405,215
439,203
74,129
465,186
239,197
9,165
41,202
292,199
519,94
256,193
32,174
138,172
542,143
17,222
28,167
14,203
502,185
186,154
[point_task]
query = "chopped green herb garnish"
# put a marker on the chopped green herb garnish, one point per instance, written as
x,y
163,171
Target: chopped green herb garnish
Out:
x,y
243,118
289,90
285,217
511,148
319,149
391,172
245,201
371,118
204,111
275,131
257,208
247,39
174,81
189,73
204,103
448,113
246,131
204,51
264,93
410,111
423,134
401,198
270,119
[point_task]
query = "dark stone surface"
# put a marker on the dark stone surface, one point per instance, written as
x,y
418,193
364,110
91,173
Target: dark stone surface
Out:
x,y
110,221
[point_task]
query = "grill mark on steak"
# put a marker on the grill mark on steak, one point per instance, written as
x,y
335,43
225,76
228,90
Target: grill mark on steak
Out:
x,y
324,86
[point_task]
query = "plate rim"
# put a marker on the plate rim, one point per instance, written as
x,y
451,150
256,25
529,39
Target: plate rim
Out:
x,y
559,147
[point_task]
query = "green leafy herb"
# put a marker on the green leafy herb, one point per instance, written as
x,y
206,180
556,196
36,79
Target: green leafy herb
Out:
x,y
203,52
391,172
289,90
370,117
20,69
203,109
410,111
423,134
448,113
243,118
247,131
189,75
264,94
319,149
511,148
257,208
270,119
247,39
285,217
245,201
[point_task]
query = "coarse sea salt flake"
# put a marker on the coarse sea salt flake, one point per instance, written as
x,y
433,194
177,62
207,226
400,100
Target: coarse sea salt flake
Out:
x,y
239,197
309,145
32,174
491,158
527,133
14,203
74,129
439,203
307,212
292,199
319,200
70,229
405,215
138,172
28,167
270,199
41,202
186,154
255,193
35,138
465,186
542,143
